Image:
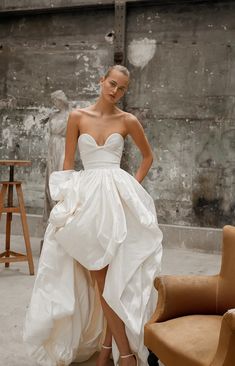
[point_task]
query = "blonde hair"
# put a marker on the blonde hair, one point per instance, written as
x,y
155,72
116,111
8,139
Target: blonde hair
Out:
x,y
120,68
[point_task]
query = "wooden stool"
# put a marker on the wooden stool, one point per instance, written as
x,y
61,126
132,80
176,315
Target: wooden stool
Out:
x,y
7,187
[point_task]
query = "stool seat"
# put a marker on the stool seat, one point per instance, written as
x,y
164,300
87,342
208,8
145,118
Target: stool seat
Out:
x,y
8,255
15,162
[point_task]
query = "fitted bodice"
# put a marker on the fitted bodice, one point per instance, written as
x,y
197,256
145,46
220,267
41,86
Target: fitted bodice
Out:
x,y
96,156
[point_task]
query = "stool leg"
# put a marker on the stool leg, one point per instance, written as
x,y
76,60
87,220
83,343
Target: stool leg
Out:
x,y
25,228
8,237
2,197
8,223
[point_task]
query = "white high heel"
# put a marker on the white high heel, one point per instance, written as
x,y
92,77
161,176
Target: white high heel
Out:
x,y
131,355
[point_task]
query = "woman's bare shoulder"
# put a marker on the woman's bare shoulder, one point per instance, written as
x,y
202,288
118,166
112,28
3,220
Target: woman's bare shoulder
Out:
x,y
77,114
130,119
74,119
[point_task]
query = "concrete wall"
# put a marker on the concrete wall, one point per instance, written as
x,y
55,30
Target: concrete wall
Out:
x,y
182,61
186,94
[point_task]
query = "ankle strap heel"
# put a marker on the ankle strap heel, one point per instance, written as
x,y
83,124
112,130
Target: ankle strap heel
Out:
x,y
106,347
130,355
127,356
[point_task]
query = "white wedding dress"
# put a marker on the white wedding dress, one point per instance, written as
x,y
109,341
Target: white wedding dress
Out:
x,y
103,217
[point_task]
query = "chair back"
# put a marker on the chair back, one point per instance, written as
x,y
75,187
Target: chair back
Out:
x,y
226,281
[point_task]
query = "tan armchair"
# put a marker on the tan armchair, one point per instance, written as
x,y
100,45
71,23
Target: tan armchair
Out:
x,y
194,322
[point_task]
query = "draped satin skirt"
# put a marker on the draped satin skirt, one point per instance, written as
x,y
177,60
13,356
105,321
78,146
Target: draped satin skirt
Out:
x,y
103,217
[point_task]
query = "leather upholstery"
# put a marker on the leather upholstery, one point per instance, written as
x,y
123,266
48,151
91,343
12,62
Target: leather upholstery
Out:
x,y
194,322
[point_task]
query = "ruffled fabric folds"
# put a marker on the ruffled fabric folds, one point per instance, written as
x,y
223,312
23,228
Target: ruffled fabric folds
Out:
x,y
64,321
103,217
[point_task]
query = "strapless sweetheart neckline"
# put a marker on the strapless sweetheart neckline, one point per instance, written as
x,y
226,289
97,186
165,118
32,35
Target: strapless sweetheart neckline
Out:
x,y
106,141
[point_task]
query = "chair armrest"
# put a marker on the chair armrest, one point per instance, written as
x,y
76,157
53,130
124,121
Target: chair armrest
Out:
x,y
230,318
184,295
225,354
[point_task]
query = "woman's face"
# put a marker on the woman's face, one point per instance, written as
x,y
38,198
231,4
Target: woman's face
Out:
x,y
114,86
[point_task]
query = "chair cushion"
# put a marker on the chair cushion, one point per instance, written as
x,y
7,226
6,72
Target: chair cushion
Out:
x,y
185,341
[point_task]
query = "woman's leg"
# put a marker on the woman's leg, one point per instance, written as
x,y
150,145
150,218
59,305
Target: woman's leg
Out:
x,y
108,337
115,324
104,355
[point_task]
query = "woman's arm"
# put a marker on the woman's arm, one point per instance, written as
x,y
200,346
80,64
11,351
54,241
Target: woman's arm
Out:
x,y
72,134
137,133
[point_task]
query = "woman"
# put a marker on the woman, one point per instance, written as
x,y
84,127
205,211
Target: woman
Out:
x,y
102,241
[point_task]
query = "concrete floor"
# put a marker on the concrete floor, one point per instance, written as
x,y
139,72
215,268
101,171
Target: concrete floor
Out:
x,y
16,286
